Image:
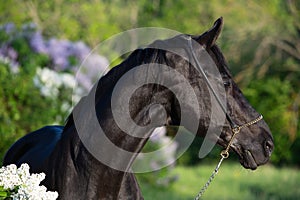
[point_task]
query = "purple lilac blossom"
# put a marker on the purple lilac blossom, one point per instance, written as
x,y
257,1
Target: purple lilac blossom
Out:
x,y
59,51
8,28
29,27
95,65
9,56
84,81
80,50
8,52
12,54
37,43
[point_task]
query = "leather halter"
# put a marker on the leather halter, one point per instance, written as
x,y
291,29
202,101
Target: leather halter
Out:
x,y
234,127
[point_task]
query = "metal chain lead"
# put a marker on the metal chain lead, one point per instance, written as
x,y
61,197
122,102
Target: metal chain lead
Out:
x,y
225,154
212,176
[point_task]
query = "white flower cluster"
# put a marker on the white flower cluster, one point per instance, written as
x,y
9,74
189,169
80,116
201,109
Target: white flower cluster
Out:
x,y
14,67
168,155
20,185
50,81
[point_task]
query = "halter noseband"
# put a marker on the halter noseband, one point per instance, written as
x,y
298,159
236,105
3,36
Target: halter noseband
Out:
x,y
234,127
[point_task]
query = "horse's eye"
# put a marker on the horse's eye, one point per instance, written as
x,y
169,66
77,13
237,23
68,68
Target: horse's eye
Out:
x,y
227,83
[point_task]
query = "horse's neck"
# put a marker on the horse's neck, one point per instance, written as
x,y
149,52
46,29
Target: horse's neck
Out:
x,y
76,174
96,164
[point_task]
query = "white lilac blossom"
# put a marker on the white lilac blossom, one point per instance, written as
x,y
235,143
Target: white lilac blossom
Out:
x,y
50,82
14,66
18,184
158,141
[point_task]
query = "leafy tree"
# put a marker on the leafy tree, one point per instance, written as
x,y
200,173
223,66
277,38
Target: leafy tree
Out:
x,y
273,98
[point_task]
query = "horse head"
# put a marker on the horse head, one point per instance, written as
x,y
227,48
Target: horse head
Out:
x,y
254,142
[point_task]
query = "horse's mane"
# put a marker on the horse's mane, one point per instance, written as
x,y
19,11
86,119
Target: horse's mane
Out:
x,y
107,82
222,64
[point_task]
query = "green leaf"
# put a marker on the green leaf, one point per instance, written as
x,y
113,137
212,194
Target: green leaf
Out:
x,y
3,194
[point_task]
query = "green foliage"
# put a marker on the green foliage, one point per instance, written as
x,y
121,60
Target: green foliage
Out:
x,y
231,183
272,97
91,21
21,111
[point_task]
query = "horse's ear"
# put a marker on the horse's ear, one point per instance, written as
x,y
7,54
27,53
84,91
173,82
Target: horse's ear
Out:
x,y
208,39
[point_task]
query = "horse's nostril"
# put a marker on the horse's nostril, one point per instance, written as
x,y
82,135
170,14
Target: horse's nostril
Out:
x,y
269,146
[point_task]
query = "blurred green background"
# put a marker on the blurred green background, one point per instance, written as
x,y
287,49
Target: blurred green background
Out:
x,y
260,39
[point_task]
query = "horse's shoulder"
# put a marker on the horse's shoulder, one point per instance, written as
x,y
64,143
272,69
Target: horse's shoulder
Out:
x,y
35,145
47,132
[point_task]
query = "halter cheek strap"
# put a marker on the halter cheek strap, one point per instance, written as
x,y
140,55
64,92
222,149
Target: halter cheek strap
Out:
x,y
234,127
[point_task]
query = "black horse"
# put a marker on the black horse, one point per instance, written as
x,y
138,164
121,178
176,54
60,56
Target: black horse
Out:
x,y
71,168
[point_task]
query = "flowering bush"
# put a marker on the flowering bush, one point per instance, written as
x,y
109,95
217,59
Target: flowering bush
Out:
x,y
37,77
18,184
67,56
